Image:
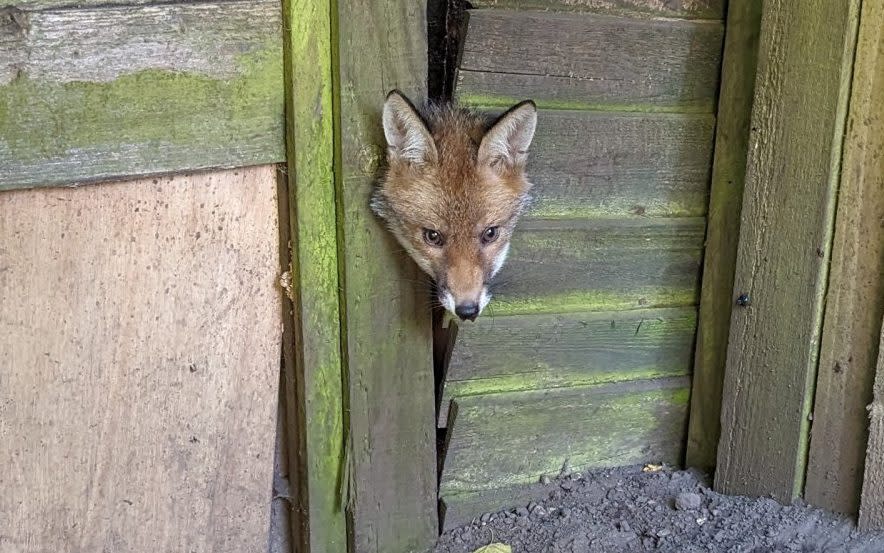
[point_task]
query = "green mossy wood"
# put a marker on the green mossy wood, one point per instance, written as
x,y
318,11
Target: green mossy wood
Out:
x,y
386,311
696,9
564,61
798,116
314,364
148,89
855,303
723,228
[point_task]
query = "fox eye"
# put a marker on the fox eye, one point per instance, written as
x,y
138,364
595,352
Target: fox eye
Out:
x,y
490,234
433,237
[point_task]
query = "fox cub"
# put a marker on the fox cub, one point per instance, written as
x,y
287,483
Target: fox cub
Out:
x,y
454,187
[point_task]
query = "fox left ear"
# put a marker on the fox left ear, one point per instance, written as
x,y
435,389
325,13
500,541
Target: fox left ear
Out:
x,y
508,139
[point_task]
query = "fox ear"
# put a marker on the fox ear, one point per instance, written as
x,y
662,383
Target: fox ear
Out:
x,y
407,136
506,142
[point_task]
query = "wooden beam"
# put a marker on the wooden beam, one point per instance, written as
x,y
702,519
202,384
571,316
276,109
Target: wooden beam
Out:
x,y
798,115
871,511
140,363
570,61
698,9
723,228
855,302
383,45
148,89
314,364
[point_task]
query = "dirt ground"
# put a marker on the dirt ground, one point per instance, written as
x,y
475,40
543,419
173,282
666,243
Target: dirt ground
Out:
x,y
625,510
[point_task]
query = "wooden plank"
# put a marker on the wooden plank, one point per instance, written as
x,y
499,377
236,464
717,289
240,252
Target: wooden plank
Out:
x,y
564,61
600,265
855,302
145,89
140,353
388,328
314,364
701,9
537,351
805,57
871,511
644,421
598,164
723,229
37,5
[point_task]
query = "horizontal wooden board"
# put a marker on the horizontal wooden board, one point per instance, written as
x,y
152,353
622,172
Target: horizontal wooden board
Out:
x,y
103,92
139,346
566,60
502,440
597,265
36,5
526,352
696,9
601,164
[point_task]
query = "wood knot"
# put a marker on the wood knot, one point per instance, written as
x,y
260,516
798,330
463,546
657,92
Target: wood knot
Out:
x,y
13,22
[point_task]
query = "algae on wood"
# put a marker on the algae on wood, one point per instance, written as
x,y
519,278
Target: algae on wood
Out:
x,y
148,89
723,229
798,115
855,303
314,364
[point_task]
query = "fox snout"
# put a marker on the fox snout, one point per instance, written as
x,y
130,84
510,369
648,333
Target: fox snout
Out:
x,y
452,192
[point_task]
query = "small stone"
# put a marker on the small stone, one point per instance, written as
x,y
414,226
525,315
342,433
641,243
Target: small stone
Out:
x,y
687,501
663,532
624,526
532,506
544,480
567,485
522,512
486,517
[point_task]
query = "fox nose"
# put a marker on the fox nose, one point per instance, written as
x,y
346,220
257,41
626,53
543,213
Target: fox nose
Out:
x,y
467,311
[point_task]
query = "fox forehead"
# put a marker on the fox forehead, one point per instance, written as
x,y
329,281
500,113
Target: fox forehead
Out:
x,y
454,193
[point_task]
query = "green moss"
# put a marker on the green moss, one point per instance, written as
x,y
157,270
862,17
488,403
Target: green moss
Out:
x,y
85,126
594,301
480,101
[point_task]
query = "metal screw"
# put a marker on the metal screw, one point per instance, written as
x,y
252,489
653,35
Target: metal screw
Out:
x,y
743,300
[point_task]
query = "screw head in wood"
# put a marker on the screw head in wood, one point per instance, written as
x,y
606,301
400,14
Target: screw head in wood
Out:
x,y
743,300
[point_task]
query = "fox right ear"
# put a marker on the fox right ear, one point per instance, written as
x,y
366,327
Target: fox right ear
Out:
x,y
408,138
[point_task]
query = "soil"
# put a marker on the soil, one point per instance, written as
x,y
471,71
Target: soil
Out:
x,y
628,510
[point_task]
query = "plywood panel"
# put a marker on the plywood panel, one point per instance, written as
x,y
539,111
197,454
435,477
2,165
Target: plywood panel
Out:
x,y
112,91
568,60
139,364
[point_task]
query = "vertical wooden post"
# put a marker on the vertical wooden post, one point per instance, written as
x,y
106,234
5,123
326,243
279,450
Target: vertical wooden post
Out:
x,y
383,45
855,302
723,228
802,84
314,385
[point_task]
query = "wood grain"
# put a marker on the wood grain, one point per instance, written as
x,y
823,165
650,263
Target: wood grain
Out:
x,y
702,9
611,425
798,117
871,511
601,164
723,229
105,92
314,364
387,317
565,60
140,354
855,302
600,264
538,351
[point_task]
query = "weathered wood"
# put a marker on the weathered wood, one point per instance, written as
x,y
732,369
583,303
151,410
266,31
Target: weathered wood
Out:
x,y
578,61
597,265
104,92
871,511
702,9
388,329
537,351
855,301
314,364
723,229
616,424
38,5
140,363
798,116
459,509
598,164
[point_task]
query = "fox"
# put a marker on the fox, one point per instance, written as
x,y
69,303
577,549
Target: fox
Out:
x,y
453,189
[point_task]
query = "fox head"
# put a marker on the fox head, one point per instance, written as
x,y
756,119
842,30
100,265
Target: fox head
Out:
x,y
454,187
